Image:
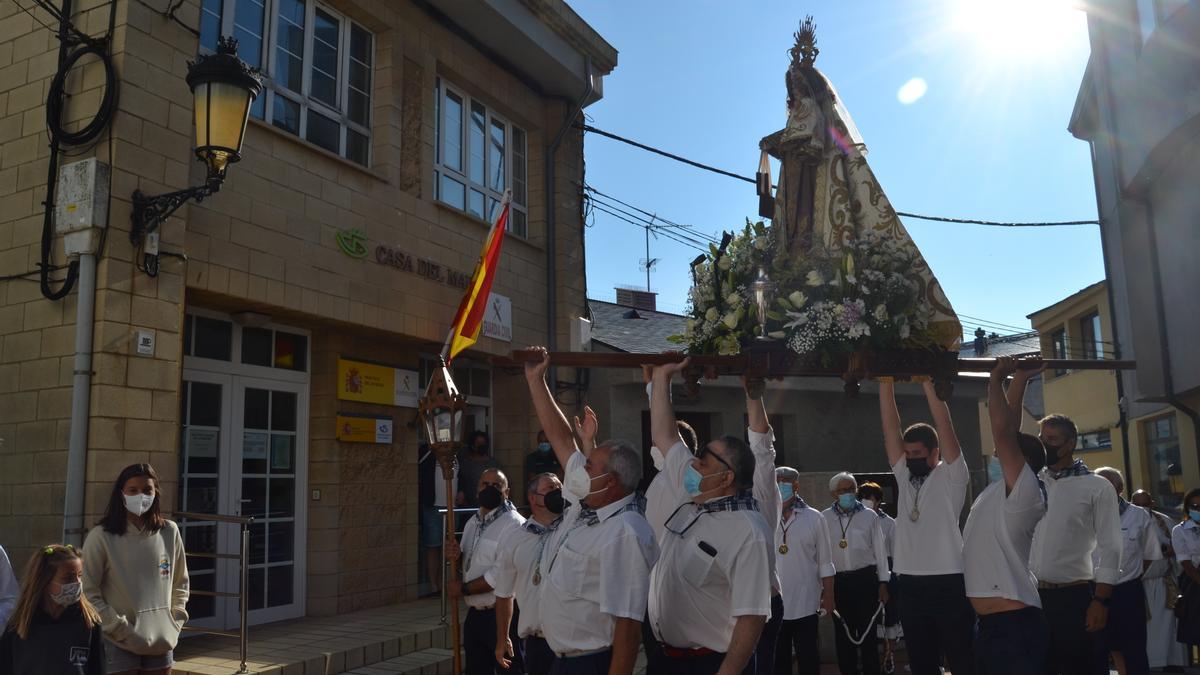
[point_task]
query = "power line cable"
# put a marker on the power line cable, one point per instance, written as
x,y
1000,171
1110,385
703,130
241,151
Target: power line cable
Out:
x,y
683,230
689,228
664,233
639,221
730,174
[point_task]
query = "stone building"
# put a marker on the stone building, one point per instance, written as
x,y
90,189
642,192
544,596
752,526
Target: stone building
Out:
x,y
1138,108
372,165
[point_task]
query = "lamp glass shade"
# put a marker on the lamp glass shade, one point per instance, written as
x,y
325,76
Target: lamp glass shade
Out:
x,y
222,110
443,410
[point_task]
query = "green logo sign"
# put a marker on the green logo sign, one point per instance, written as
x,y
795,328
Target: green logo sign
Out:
x,y
352,243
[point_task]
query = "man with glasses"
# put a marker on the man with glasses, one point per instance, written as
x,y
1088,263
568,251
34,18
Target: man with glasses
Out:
x,y
513,577
1081,517
860,579
594,571
710,593
485,530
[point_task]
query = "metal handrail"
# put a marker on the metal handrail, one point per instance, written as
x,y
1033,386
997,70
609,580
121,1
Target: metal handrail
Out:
x,y
445,562
244,550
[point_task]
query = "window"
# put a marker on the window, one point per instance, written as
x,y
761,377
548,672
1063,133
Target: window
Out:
x,y
1152,13
1162,459
1091,337
1094,441
1058,348
317,68
479,156
222,340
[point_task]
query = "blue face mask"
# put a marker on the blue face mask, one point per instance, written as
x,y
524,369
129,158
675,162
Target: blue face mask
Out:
x,y
847,501
785,491
543,447
995,472
1194,515
691,480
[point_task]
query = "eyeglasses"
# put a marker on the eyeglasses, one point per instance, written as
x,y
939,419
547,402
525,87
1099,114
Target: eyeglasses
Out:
x,y
707,451
667,525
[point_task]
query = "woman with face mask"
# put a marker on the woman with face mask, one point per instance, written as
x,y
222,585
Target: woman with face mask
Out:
x,y
53,630
136,575
1185,539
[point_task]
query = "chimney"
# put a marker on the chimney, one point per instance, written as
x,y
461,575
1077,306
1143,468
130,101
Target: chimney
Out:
x,y
637,299
981,342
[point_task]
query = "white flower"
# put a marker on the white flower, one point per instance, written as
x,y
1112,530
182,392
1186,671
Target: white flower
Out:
x,y
849,265
730,320
797,299
734,299
850,279
725,263
881,313
712,314
691,325
814,279
761,243
904,331
777,335
798,319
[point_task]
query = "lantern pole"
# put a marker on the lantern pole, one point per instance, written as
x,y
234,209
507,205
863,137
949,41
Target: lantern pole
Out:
x,y
445,457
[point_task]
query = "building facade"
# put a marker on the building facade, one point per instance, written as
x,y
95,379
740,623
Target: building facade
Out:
x,y
271,366
1139,111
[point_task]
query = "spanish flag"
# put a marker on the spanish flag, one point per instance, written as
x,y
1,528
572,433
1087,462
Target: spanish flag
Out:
x,y
469,320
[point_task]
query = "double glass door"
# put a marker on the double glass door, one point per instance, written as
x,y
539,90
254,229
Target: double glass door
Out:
x,y
244,453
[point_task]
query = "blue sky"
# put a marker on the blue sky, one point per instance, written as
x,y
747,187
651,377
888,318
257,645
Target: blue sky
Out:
x,y
987,140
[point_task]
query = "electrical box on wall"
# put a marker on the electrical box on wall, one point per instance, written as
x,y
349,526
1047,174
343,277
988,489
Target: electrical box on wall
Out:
x,y
81,204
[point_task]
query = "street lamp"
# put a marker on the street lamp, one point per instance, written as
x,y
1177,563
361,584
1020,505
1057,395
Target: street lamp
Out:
x,y
442,410
223,88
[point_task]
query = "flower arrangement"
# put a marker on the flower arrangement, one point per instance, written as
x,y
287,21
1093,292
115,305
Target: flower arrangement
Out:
x,y
865,295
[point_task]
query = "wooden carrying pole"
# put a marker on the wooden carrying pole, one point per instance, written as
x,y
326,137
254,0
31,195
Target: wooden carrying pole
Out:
x,y
736,364
446,460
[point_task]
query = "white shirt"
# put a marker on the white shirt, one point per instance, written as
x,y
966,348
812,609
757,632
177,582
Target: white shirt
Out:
x,y
997,539
513,573
864,541
1160,525
669,492
714,568
480,541
9,590
807,561
1081,516
1138,543
594,574
888,525
933,543
1185,538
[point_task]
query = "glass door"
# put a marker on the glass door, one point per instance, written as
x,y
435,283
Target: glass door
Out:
x,y
270,446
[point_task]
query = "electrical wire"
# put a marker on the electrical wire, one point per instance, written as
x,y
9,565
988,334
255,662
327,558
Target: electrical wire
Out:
x,y
683,231
941,219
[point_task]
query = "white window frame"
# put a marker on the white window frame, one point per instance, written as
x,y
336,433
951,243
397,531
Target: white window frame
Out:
x,y
271,89
463,176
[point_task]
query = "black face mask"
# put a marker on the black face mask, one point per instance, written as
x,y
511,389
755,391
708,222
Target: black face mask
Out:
x,y
918,466
554,501
1052,453
490,497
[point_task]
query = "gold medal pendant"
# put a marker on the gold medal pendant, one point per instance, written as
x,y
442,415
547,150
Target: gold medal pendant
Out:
x,y
843,543
537,578
914,514
783,549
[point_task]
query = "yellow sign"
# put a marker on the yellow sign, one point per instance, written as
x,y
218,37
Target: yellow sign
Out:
x,y
374,383
364,428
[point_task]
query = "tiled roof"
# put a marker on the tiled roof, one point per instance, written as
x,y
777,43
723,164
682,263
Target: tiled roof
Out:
x,y
636,331
1020,344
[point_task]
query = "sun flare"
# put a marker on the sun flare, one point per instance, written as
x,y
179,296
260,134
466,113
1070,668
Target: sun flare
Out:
x,y
1016,29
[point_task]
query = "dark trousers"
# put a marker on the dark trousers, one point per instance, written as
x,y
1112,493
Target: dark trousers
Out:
x,y
856,597
592,664
799,643
479,644
938,621
1012,643
1125,631
705,664
764,653
538,656
1071,650
652,648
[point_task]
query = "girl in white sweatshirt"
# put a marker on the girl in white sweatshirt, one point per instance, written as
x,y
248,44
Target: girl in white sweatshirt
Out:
x,y
136,576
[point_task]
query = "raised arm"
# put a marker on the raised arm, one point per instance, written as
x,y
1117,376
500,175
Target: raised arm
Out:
x,y
551,417
947,439
663,430
1004,425
756,412
587,430
889,415
1016,390
762,444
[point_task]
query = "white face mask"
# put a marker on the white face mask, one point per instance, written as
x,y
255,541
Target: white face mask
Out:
x,y
138,504
870,503
657,457
68,594
579,484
